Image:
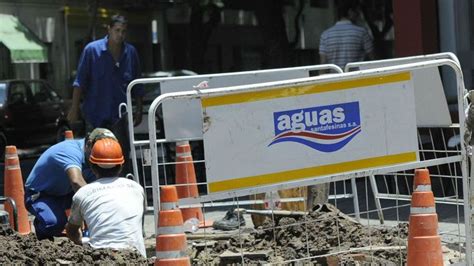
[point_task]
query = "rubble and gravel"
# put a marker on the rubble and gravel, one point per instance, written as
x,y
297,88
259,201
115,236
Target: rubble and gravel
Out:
x,y
27,249
325,235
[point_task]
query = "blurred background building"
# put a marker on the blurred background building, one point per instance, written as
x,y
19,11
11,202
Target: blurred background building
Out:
x,y
222,35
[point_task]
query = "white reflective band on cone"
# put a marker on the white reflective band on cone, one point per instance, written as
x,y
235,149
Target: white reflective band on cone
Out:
x,y
422,210
13,167
423,188
183,154
170,254
169,206
182,143
169,230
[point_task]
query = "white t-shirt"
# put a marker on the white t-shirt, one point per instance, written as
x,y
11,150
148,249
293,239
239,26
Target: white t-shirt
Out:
x,y
113,210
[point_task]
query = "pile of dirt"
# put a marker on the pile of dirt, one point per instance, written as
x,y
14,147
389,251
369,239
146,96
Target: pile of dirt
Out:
x,y
323,231
18,249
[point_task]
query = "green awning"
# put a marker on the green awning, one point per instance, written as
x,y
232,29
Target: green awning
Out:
x,y
24,46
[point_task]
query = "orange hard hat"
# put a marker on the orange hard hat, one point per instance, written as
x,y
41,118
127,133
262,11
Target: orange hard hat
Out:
x,y
106,153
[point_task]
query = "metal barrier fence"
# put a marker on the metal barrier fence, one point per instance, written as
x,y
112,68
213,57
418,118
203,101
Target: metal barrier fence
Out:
x,y
140,150
290,238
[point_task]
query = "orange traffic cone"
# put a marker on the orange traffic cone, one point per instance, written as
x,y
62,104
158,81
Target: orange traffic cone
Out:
x,y
185,175
68,134
170,239
13,188
424,243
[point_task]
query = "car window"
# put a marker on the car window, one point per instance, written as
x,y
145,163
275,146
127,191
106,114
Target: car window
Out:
x,y
3,93
41,92
18,93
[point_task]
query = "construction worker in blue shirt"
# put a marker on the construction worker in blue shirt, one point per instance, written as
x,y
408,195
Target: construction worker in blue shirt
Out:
x,y
59,172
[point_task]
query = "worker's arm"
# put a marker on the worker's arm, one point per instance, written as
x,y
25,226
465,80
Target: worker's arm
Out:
x,y
137,116
74,233
73,114
75,178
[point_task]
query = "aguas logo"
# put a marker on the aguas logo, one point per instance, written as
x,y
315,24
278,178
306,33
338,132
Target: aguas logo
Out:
x,y
324,128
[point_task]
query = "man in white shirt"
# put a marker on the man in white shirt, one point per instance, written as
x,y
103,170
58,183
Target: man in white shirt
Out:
x,y
112,207
345,42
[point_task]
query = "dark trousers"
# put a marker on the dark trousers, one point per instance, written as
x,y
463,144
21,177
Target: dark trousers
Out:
x,y
49,212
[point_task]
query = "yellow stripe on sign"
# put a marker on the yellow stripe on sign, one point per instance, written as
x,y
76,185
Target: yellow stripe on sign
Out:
x,y
274,178
302,90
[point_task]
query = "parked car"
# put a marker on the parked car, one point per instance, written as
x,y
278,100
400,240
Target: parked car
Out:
x,y
31,113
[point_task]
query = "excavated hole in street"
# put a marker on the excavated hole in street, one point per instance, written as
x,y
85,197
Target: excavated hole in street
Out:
x,y
321,233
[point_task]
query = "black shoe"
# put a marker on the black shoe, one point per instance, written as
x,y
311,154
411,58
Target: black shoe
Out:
x,y
231,221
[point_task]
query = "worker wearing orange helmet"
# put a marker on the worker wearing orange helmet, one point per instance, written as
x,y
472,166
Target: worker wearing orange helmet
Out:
x,y
112,207
58,173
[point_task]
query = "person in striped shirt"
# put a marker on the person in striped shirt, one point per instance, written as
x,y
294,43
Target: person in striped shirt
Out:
x,y
346,42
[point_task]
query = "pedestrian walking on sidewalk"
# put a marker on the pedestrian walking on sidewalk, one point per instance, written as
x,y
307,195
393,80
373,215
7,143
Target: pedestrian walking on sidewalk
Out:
x,y
346,42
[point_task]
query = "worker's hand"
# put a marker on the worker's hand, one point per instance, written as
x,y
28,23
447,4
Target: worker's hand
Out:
x,y
74,233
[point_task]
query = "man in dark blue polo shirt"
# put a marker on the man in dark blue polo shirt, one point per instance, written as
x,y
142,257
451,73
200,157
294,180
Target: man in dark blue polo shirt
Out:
x,y
105,69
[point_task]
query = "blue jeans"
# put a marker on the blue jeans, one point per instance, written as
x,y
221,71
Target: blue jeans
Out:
x,y
49,212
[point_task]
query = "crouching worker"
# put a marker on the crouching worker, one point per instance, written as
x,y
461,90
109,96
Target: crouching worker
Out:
x,y
112,207
59,172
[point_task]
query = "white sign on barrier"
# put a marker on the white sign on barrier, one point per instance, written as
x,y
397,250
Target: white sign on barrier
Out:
x,y
431,105
290,133
182,117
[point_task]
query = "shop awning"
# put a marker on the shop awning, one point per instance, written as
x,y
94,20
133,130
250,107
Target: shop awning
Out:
x,y
24,46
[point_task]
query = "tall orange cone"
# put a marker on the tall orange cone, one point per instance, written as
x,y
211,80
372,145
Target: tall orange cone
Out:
x,y
170,240
185,175
68,134
424,243
13,188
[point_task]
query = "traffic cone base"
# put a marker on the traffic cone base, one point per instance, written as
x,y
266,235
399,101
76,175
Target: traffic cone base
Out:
x,y
173,262
425,251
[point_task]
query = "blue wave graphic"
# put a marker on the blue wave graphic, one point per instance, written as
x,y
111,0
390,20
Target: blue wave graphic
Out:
x,y
315,145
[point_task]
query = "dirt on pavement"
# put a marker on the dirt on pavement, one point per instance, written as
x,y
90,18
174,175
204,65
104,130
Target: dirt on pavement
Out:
x,y
27,249
325,230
